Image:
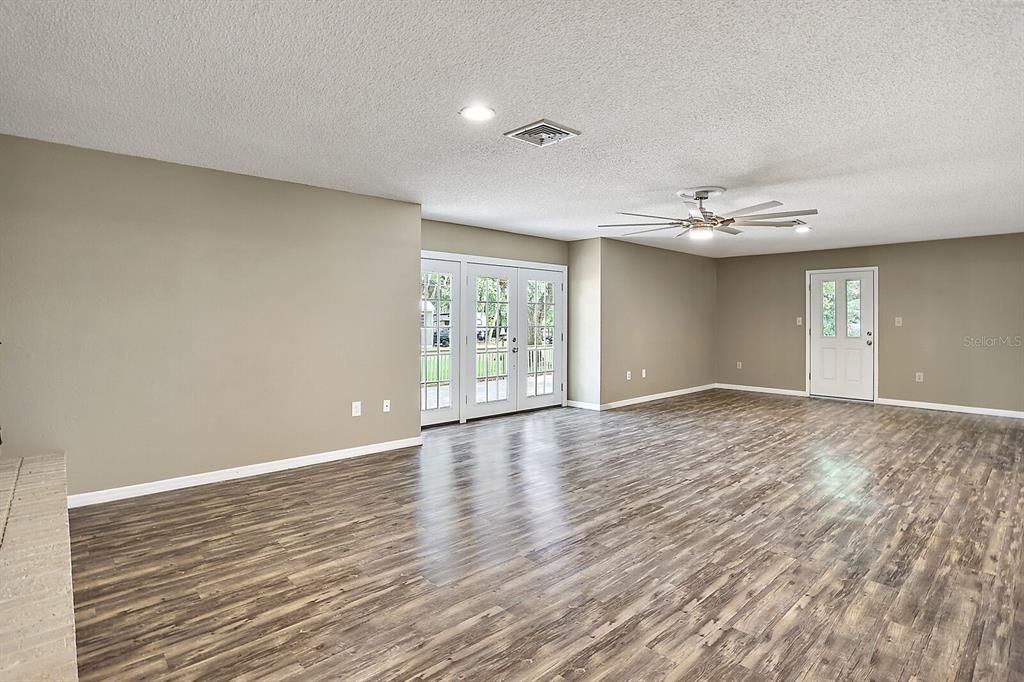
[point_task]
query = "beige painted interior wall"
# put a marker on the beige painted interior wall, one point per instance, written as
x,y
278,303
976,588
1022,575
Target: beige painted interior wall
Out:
x,y
658,314
633,308
584,327
944,291
477,241
160,320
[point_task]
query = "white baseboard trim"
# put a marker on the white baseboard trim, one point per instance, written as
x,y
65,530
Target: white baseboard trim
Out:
x,y
762,389
655,396
639,399
139,489
584,406
989,411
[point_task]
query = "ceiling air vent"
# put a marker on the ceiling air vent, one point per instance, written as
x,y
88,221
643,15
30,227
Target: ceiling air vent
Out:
x,y
542,133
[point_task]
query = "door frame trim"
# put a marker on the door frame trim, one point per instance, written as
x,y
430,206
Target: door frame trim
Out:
x,y
463,259
487,260
807,322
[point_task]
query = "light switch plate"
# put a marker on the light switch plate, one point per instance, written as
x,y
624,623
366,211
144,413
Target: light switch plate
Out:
x,y
643,374
357,408
387,405
629,375
799,321
739,365
899,321
919,377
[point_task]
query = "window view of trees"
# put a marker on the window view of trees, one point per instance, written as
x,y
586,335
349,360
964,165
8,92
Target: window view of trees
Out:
x,y
493,338
435,340
540,337
853,308
828,308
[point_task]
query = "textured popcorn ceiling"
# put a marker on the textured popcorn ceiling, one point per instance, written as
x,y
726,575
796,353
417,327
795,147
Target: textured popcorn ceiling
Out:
x,y
899,120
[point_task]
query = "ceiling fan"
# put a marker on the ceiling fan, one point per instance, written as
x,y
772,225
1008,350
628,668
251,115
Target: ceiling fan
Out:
x,y
702,223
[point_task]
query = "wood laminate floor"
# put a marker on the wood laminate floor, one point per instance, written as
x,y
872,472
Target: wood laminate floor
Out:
x,y
717,536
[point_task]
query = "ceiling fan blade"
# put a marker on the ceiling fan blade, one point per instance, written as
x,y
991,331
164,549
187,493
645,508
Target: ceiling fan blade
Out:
x,y
659,217
728,230
694,210
682,233
780,214
655,229
638,224
753,209
765,223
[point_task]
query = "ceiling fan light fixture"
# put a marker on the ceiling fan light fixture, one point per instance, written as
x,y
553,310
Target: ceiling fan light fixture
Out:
x,y
702,233
802,229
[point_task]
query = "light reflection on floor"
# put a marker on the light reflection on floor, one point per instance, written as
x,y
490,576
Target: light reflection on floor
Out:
x,y
514,483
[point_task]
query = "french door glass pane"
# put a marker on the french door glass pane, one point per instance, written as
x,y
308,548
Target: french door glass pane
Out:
x,y
540,337
492,339
428,400
828,308
435,340
853,308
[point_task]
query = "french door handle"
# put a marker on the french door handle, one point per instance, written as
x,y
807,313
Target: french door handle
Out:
x,y
869,342
515,349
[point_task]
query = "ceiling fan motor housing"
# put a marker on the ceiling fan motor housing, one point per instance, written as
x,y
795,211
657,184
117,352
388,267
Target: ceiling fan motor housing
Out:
x,y
702,192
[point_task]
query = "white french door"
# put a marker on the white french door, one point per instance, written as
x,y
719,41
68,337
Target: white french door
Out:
x,y
496,341
540,374
439,342
491,339
842,334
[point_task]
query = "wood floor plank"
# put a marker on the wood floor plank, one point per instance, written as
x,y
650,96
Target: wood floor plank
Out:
x,y
716,536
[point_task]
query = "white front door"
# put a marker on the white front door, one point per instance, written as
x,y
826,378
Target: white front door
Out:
x,y
541,312
842,334
491,339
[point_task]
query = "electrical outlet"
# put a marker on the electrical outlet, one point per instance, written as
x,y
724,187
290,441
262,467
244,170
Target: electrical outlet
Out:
x,y
357,408
899,321
629,375
919,377
643,374
387,405
799,321
739,365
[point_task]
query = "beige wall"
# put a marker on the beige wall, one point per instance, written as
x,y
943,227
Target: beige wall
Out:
x,y
944,290
160,320
584,329
658,314
476,241
633,308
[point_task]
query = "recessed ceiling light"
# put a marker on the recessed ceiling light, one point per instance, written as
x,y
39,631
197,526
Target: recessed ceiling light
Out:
x,y
701,233
477,112
801,229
